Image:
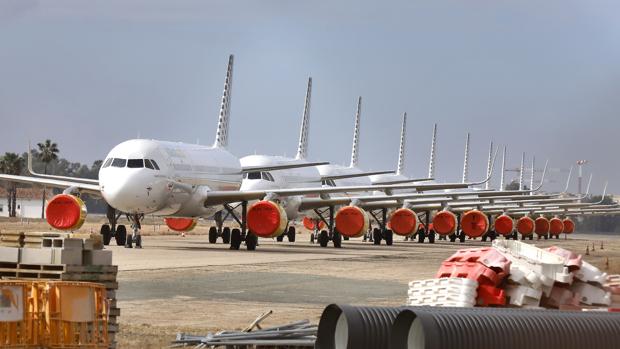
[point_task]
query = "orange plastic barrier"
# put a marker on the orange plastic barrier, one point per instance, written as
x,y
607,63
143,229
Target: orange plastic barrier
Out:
x,y
21,314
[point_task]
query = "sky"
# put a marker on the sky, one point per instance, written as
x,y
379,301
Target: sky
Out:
x,y
541,77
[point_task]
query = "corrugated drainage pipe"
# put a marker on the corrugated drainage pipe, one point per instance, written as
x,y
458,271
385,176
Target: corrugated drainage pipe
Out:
x,y
479,328
350,327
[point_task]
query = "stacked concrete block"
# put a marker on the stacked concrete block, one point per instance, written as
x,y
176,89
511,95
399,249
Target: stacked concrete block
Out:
x,y
11,239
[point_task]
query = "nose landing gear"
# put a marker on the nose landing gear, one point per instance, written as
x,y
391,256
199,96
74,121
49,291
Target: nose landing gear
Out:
x,y
135,237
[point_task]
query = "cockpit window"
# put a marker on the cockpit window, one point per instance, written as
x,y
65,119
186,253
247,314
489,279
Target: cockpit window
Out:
x,y
328,182
254,175
107,162
267,176
135,163
119,162
155,164
148,164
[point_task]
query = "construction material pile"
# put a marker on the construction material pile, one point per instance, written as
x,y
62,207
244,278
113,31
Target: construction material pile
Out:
x,y
63,257
293,335
516,274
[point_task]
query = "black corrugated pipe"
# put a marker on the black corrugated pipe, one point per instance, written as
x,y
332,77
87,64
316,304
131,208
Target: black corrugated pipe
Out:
x,y
481,328
350,327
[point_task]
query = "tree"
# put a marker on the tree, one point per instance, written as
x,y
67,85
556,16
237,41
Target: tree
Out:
x,y
12,164
48,151
514,185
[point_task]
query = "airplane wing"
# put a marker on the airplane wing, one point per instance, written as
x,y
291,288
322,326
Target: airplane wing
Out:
x,y
276,167
353,175
405,181
56,183
63,178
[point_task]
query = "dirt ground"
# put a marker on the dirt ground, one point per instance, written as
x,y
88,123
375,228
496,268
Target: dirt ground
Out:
x,y
184,284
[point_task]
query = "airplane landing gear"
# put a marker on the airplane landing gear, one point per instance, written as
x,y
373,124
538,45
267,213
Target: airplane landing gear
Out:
x,y
236,236
135,237
111,230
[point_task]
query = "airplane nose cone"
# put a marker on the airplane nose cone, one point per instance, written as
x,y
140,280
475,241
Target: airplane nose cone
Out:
x,y
129,192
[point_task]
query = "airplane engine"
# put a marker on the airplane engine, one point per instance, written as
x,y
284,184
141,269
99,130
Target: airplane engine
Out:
x,y
474,223
403,222
541,226
556,226
181,224
444,223
569,226
267,219
504,225
310,225
352,221
65,212
525,226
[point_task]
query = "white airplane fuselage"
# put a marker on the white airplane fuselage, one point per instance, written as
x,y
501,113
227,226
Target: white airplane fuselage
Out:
x,y
173,182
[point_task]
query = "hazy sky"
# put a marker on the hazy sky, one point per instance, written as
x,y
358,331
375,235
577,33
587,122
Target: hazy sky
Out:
x,y
540,76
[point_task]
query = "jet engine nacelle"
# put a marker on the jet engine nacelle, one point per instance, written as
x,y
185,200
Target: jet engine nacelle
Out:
x,y
352,221
556,226
66,212
267,219
474,223
403,222
525,226
444,223
569,226
541,226
181,224
504,225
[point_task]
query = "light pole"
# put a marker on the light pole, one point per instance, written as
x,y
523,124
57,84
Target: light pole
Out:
x,y
580,164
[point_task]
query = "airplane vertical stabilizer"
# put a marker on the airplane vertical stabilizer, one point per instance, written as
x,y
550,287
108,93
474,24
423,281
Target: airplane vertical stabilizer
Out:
x,y
302,148
487,185
401,150
432,159
221,135
466,161
521,169
532,175
356,134
501,177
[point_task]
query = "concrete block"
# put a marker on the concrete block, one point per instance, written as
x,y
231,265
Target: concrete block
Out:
x,y
35,256
9,255
69,256
97,257
68,243
47,242
89,244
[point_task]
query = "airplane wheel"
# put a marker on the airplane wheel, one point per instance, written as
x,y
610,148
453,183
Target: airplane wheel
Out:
x,y
121,235
290,234
337,240
515,235
138,241
345,238
226,235
532,237
431,237
212,235
251,241
420,237
323,238
452,237
389,237
280,237
546,236
557,236
235,239
462,238
312,237
376,236
106,234
484,237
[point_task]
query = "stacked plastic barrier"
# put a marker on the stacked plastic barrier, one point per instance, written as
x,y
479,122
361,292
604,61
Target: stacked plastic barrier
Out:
x,y
445,292
484,265
612,284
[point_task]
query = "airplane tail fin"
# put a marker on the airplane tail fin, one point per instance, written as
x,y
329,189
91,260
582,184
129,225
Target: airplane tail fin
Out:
x,y
432,159
466,161
302,148
221,136
356,134
521,169
532,173
501,177
401,150
487,185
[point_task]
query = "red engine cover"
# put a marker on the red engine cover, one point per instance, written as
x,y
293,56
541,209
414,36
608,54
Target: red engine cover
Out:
x,y
556,227
65,212
541,226
525,225
181,224
444,223
351,221
265,218
403,222
474,223
504,225
569,226
309,223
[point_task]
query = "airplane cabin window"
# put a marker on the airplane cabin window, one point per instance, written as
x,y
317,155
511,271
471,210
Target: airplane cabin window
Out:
x,y
135,163
254,175
107,162
119,162
155,164
148,164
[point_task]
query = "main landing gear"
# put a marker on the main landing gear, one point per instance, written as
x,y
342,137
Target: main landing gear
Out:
x,y
381,233
234,236
426,231
325,236
113,230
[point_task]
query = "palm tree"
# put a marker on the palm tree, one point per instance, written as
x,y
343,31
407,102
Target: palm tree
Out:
x,y
48,151
11,163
